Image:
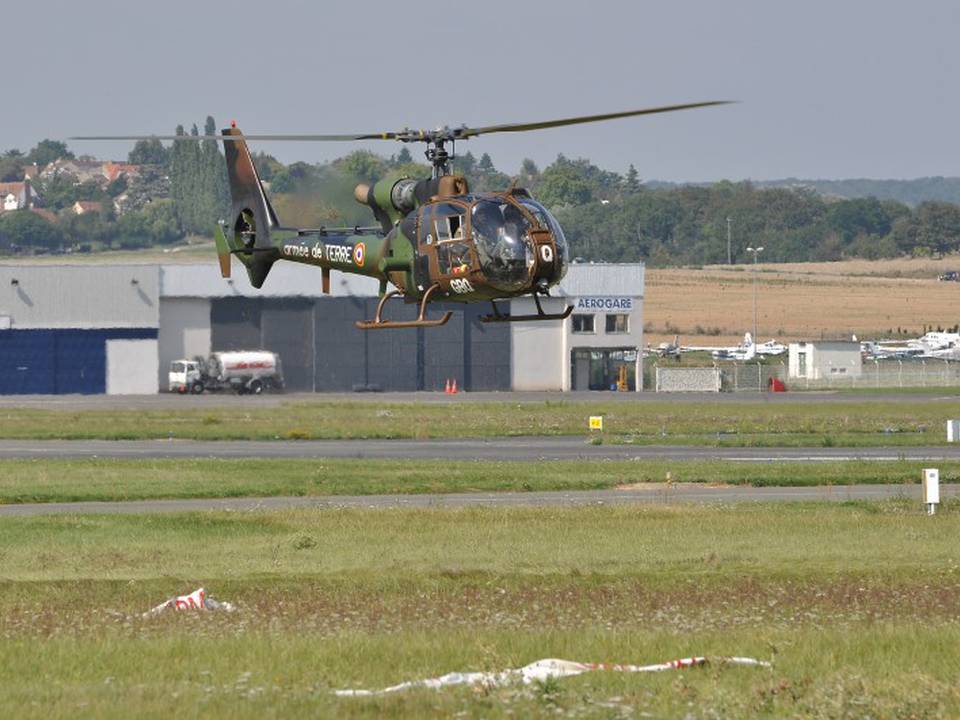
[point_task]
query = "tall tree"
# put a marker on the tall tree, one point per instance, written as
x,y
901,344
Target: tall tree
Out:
x,y
47,151
216,186
148,152
631,183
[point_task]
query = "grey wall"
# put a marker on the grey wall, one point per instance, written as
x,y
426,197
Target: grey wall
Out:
x,y
184,332
286,328
80,296
322,350
339,347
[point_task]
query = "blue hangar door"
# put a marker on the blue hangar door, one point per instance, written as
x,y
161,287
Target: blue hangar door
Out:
x,y
81,362
45,362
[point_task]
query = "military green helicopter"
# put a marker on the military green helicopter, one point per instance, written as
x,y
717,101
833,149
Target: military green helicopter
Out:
x,y
435,241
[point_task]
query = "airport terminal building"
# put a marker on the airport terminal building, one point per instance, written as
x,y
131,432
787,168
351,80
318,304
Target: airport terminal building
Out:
x,y
87,328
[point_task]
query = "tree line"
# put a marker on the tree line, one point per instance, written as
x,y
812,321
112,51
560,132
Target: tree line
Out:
x,y
607,216
178,191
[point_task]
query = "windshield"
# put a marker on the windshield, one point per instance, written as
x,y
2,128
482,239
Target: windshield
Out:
x,y
549,222
502,237
178,367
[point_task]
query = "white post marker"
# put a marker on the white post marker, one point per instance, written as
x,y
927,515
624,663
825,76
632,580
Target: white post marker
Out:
x,y
596,422
931,489
953,431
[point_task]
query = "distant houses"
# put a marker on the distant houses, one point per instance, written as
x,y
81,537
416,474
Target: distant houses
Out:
x,y
144,183
82,207
17,196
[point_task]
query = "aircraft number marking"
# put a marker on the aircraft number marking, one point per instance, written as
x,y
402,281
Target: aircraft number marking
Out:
x,y
546,252
461,286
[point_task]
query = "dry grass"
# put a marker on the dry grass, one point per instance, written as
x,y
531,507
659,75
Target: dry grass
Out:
x,y
855,604
800,301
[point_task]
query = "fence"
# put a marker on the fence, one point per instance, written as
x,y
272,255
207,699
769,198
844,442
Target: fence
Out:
x,y
756,377
692,379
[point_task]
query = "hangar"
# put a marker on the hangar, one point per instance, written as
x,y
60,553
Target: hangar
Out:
x,y
85,328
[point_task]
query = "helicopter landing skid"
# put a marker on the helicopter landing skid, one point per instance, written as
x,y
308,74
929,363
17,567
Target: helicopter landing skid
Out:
x,y
498,316
379,323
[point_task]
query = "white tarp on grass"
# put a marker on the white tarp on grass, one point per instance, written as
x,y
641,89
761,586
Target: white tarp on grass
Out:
x,y
542,670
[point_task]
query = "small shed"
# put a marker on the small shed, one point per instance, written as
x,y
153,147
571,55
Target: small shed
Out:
x,y
825,359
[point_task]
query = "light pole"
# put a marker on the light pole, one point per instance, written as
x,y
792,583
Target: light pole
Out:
x,y
756,251
729,255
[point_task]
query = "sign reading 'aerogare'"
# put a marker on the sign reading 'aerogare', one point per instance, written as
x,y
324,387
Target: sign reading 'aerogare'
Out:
x,y
605,303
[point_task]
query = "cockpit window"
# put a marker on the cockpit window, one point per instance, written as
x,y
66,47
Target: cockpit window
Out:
x,y
549,222
501,235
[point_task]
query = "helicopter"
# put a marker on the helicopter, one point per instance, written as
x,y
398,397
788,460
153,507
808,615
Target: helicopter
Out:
x,y
435,241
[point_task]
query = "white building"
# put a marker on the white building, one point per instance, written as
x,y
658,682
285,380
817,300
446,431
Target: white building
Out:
x,y
604,332
824,359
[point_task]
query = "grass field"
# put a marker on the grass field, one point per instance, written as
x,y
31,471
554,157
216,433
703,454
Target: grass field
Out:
x,y
855,604
102,480
854,423
713,305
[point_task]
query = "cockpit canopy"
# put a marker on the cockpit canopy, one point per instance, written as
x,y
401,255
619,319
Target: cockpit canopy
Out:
x,y
548,222
501,235
505,248
511,239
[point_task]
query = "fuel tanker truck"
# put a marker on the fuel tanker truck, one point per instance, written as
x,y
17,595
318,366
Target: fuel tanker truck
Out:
x,y
242,371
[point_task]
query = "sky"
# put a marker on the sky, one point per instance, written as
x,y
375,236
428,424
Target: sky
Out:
x,y
826,88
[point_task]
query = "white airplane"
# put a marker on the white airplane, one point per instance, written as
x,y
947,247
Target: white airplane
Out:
x,y
666,349
745,351
941,345
771,347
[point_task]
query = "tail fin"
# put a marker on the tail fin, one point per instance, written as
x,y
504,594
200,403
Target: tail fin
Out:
x,y
247,233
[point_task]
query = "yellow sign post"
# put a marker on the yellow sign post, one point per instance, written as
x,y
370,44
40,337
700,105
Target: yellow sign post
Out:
x,y
596,422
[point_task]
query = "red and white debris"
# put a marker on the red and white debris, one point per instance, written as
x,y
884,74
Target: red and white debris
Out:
x,y
197,600
549,668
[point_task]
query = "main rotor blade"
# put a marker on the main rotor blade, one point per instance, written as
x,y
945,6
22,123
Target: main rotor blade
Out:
x,y
237,138
407,135
521,127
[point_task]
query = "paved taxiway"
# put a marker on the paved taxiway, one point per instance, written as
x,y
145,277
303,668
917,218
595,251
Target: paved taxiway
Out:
x,y
652,493
515,448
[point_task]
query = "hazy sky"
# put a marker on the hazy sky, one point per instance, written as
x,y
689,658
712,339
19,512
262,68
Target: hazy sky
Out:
x,y
829,89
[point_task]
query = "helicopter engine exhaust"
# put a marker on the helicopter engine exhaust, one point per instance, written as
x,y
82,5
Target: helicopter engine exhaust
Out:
x,y
389,199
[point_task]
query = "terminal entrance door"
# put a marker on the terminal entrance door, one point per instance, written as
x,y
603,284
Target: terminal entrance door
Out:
x,y
599,368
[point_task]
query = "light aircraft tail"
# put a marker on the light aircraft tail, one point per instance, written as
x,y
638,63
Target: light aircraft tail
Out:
x,y
246,233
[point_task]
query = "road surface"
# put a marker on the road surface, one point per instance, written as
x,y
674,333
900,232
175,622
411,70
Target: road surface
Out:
x,y
517,448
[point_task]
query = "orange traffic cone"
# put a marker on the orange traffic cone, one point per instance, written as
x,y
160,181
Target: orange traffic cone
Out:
x,y
447,389
453,388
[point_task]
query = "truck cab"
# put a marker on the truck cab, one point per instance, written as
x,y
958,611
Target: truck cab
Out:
x,y
185,376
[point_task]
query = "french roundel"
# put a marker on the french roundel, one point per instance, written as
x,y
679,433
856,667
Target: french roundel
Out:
x,y
359,252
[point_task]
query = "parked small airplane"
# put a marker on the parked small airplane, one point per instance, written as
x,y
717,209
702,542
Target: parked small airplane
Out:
x,y
745,351
665,349
936,344
771,347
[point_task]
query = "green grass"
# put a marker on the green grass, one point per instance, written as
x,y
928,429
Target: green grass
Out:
x,y
23,481
850,423
855,604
